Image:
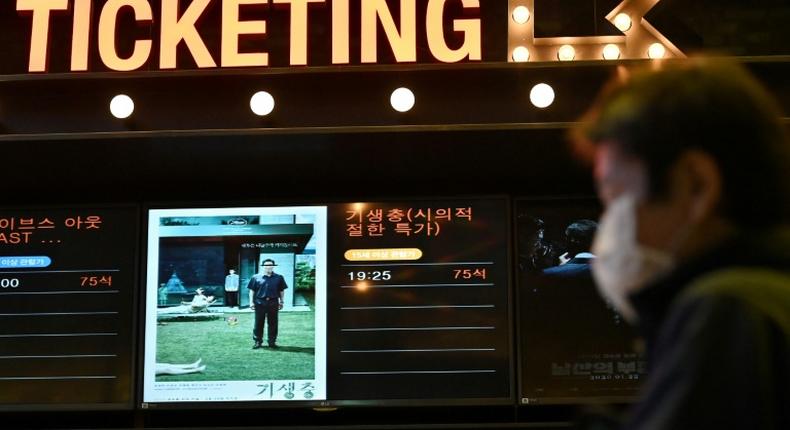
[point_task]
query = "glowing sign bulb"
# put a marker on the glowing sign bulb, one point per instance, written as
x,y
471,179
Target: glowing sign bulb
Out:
x,y
566,53
122,106
262,103
542,95
611,52
521,15
402,100
521,54
656,51
622,22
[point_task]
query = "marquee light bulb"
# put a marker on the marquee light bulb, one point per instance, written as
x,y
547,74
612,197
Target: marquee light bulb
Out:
x,y
656,51
542,95
402,100
521,54
521,15
611,52
566,53
622,22
262,103
122,106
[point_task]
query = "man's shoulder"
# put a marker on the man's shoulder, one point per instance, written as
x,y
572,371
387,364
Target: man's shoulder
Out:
x,y
762,290
753,285
280,279
568,269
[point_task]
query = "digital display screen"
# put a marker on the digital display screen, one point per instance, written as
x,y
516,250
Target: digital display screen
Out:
x,y
574,347
419,300
67,282
336,304
201,343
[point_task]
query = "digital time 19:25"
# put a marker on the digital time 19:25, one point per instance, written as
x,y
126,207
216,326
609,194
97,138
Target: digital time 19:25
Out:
x,y
376,275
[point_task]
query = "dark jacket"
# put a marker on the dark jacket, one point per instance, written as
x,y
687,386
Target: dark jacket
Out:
x,y
266,287
576,267
718,337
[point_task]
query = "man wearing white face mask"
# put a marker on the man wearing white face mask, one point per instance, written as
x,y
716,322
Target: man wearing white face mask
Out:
x,y
692,165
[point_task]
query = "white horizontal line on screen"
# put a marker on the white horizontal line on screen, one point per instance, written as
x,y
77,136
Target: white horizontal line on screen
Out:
x,y
417,286
37,314
415,328
468,263
22,293
60,271
357,308
417,372
50,378
57,334
12,357
423,350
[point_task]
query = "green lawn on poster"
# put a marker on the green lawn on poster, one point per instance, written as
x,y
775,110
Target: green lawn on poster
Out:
x,y
226,350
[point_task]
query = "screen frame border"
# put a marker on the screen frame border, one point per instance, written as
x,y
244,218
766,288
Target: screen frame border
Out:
x,y
132,403
328,405
521,400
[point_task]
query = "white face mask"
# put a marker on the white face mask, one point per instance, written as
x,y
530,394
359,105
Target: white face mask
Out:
x,y
623,266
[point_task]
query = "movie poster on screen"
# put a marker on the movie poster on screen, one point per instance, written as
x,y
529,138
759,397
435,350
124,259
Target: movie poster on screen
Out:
x,y
201,343
574,345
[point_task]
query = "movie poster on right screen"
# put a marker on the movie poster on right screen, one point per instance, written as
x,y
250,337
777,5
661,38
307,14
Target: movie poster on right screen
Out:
x,y
574,346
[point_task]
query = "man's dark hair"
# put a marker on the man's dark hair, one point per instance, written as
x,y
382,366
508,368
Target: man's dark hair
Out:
x,y
713,106
268,260
579,236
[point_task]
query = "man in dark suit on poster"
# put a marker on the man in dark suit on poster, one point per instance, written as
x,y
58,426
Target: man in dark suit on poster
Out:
x,y
266,299
578,238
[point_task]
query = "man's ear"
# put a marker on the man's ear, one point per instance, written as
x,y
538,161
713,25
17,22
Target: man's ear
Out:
x,y
702,184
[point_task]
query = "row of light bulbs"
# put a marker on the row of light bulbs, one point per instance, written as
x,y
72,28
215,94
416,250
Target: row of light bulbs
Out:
x,y
521,15
622,21
262,102
403,99
610,51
